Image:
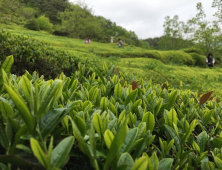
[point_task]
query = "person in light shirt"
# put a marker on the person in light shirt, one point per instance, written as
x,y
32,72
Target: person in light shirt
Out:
x,y
210,60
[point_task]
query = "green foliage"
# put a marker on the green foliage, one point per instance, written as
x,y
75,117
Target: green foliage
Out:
x,y
32,55
41,23
29,13
32,25
44,23
168,57
77,21
117,123
182,77
48,8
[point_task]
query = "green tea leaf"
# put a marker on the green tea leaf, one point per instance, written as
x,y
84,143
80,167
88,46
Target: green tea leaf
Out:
x,y
169,146
140,164
201,140
174,136
80,123
136,104
116,145
141,130
172,118
118,91
217,143
150,165
24,148
104,103
98,124
165,164
218,162
142,144
191,128
112,123
148,118
195,146
26,87
131,97
49,99
50,120
22,107
129,140
39,153
108,137
7,65
207,166
155,161
126,159
61,151
6,109
131,120
171,100
82,145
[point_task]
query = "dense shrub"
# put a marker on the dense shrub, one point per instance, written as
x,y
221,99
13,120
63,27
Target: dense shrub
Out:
x,y
41,23
44,23
32,25
28,12
32,55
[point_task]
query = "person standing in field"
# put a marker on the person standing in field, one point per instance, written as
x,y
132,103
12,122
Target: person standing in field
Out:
x,y
86,41
89,41
210,60
120,43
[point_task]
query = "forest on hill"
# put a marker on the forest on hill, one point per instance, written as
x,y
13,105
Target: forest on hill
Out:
x,y
64,18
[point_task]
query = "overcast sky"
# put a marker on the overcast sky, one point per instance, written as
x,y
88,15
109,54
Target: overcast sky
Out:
x,y
146,17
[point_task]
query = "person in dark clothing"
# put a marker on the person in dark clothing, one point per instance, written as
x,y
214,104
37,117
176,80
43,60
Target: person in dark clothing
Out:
x,y
210,60
120,43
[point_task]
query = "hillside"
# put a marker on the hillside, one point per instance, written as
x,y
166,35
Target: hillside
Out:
x,y
107,113
176,67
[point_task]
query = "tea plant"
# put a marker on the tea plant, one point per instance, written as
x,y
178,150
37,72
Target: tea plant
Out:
x,y
105,120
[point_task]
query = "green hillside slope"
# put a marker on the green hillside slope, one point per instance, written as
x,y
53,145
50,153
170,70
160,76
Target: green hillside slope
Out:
x,y
179,68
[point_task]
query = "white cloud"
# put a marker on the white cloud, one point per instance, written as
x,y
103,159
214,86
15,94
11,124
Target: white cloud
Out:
x,y
146,17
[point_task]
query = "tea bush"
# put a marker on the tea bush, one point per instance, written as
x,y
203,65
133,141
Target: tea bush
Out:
x,y
199,60
177,57
167,57
31,55
193,50
105,121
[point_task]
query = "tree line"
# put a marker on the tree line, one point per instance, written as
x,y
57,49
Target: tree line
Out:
x,y
64,18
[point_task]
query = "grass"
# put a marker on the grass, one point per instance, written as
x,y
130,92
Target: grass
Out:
x,y
142,63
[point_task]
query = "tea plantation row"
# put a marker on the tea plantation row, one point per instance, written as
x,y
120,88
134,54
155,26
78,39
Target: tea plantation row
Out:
x,y
32,55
